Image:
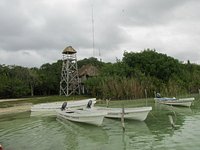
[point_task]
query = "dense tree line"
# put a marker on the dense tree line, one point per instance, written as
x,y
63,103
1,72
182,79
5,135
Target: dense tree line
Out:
x,y
16,81
137,73
143,73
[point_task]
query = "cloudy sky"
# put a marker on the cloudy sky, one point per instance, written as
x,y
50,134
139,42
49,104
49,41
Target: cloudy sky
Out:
x,y
34,32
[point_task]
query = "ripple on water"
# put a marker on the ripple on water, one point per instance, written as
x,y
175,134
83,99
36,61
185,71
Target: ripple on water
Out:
x,y
21,131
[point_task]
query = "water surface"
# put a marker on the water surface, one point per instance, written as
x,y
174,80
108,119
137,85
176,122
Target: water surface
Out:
x,y
20,131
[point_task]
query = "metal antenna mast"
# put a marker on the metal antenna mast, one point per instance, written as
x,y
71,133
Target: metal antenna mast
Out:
x,y
93,30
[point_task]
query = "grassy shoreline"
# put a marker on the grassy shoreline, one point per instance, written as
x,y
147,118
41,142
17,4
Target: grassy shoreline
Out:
x,y
36,100
24,104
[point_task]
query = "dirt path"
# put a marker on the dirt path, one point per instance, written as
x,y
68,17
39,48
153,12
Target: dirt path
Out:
x,y
16,99
16,109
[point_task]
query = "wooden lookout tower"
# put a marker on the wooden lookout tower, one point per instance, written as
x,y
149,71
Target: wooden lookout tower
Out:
x,y
69,83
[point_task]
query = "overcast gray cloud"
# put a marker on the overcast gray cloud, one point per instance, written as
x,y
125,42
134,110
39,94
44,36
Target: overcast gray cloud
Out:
x,y
35,32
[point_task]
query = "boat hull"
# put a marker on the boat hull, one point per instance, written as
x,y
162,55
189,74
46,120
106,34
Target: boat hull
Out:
x,y
47,109
139,113
185,102
83,116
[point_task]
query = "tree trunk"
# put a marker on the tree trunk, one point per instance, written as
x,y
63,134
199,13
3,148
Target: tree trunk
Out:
x,y
32,90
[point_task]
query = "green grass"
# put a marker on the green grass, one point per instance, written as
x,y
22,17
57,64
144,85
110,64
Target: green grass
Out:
x,y
37,100
112,103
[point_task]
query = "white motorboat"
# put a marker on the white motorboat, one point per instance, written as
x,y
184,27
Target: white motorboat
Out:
x,y
138,113
51,108
187,102
88,116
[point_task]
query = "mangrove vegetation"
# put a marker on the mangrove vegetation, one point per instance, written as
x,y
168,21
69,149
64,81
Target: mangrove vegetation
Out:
x,y
137,75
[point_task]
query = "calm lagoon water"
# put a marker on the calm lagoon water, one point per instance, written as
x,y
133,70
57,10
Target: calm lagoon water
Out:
x,y
22,132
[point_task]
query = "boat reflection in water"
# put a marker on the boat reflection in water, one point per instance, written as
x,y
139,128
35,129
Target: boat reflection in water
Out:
x,y
175,109
185,133
86,135
20,131
136,134
110,135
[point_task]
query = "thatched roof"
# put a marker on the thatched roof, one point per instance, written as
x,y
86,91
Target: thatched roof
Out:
x,y
88,70
69,50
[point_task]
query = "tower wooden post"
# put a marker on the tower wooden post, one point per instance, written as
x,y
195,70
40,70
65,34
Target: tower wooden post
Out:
x,y
69,83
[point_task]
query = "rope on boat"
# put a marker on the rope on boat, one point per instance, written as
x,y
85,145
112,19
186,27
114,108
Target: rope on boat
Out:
x,y
153,115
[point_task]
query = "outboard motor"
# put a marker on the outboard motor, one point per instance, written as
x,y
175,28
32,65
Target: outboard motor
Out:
x,y
64,105
158,95
89,104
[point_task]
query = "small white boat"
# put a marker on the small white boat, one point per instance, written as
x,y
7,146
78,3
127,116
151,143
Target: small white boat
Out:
x,y
51,108
187,102
138,113
88,116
